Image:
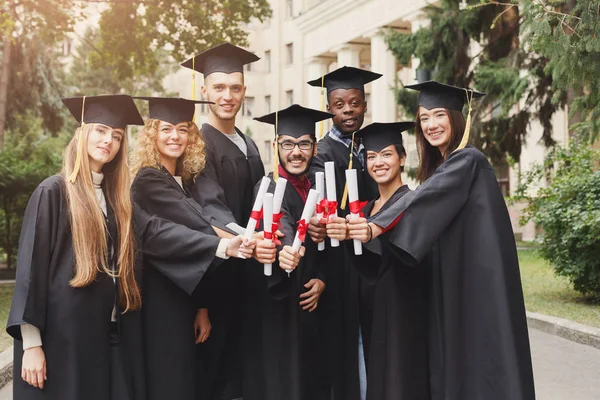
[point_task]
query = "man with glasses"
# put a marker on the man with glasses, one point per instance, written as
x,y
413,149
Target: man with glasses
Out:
x,y
293,351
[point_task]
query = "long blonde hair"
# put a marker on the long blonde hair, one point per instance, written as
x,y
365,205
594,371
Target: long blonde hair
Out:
x,y
88,225
190,163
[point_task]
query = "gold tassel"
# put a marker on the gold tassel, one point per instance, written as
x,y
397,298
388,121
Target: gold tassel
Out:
x,y
345,196
194,86
276,155
77,166
322,106
465,138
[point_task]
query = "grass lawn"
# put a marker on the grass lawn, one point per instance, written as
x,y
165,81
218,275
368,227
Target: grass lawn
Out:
x,y
548,294
6,292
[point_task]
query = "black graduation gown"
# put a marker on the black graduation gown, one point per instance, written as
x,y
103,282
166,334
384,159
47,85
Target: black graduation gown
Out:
x,y
168,312
75,322
398,368
347,302
458,222
293,350
224,190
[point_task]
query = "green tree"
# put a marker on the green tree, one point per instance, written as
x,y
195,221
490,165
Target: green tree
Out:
x,y
131,32
508,73
29,156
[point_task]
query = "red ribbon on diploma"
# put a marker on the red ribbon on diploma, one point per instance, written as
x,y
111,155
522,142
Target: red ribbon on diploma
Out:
x,y
302,228
268,235
326,207
277,222
357,206
257,215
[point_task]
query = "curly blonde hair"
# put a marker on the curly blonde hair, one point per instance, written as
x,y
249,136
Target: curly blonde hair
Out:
x,y
190,163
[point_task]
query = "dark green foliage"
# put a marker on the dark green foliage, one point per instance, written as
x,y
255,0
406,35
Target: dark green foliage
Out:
x,y
568,212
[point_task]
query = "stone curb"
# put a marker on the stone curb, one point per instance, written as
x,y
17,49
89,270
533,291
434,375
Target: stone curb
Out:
x,y
6,366
565,328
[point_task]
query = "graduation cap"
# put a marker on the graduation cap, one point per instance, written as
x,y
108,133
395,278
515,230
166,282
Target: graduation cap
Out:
x,y
173,110
116,111
438,95
345,78
295,121
225,58
378,136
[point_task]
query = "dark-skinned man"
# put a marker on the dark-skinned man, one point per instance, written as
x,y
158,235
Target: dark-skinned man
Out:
x,y
347,304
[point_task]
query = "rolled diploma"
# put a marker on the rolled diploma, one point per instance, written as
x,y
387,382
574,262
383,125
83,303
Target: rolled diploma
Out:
x,y
267,225
309,209
331,193
353,196
320,186
258,202
278,195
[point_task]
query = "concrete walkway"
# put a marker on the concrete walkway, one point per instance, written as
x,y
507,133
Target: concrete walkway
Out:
x,y
564,370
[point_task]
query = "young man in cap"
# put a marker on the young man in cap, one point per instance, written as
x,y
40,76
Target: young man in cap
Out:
x,y
224,189
348,302
293,349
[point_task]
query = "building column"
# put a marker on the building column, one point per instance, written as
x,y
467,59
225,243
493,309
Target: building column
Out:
x,y
316,67
348,55
383,102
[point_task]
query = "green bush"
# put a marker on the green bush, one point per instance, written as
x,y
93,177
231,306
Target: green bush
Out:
x,y
568,213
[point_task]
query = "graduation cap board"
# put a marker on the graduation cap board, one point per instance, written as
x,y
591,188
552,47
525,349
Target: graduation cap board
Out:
x,y
295,121
225,58
345,78
433,94
173,110
377,136
116,111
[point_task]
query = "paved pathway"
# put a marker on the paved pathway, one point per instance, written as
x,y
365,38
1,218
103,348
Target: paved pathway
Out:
x,y
563,370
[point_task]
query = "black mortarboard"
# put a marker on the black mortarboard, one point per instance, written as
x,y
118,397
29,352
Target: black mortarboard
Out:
x,y
345,78
438,95
116,111
225,58
173,110
378,136
295,120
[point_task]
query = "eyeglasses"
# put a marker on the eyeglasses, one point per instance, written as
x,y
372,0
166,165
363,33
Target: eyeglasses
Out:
x,y
303,145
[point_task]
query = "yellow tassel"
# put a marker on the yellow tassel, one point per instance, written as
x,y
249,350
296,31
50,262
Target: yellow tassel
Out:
x,y
322,106
194,86
345,196
276,155
465,138
77,166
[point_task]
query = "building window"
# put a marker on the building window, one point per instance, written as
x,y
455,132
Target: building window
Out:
x,y
248,67
267,104
503,177
268,61
368,100
289,53
267,151
289,8
248,107
289,96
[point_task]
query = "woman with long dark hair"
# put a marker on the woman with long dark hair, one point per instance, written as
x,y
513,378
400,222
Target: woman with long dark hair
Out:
x,y
456,225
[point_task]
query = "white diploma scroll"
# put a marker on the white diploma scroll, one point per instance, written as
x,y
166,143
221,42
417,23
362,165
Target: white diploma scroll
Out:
x,y
258,202
331,193
268,226
320,186
309,209
353,197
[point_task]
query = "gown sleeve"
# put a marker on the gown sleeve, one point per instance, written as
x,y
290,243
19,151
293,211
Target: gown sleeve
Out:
x,y
431,208
33,263
181,254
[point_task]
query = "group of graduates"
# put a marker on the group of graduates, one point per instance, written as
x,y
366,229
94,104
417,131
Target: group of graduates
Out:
x,y
151,290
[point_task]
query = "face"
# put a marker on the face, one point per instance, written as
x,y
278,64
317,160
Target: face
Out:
x,y
349,107
384,166
296,160
103,145
227,91
172,140
435,124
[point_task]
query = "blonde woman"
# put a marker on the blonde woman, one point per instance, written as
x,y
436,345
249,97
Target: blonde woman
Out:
x,y
76,289
168,157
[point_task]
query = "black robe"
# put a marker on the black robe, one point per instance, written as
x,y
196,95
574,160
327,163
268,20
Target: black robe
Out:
x,y
293,350
347,302
169,312
224,190
457,222
398,368
75,322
